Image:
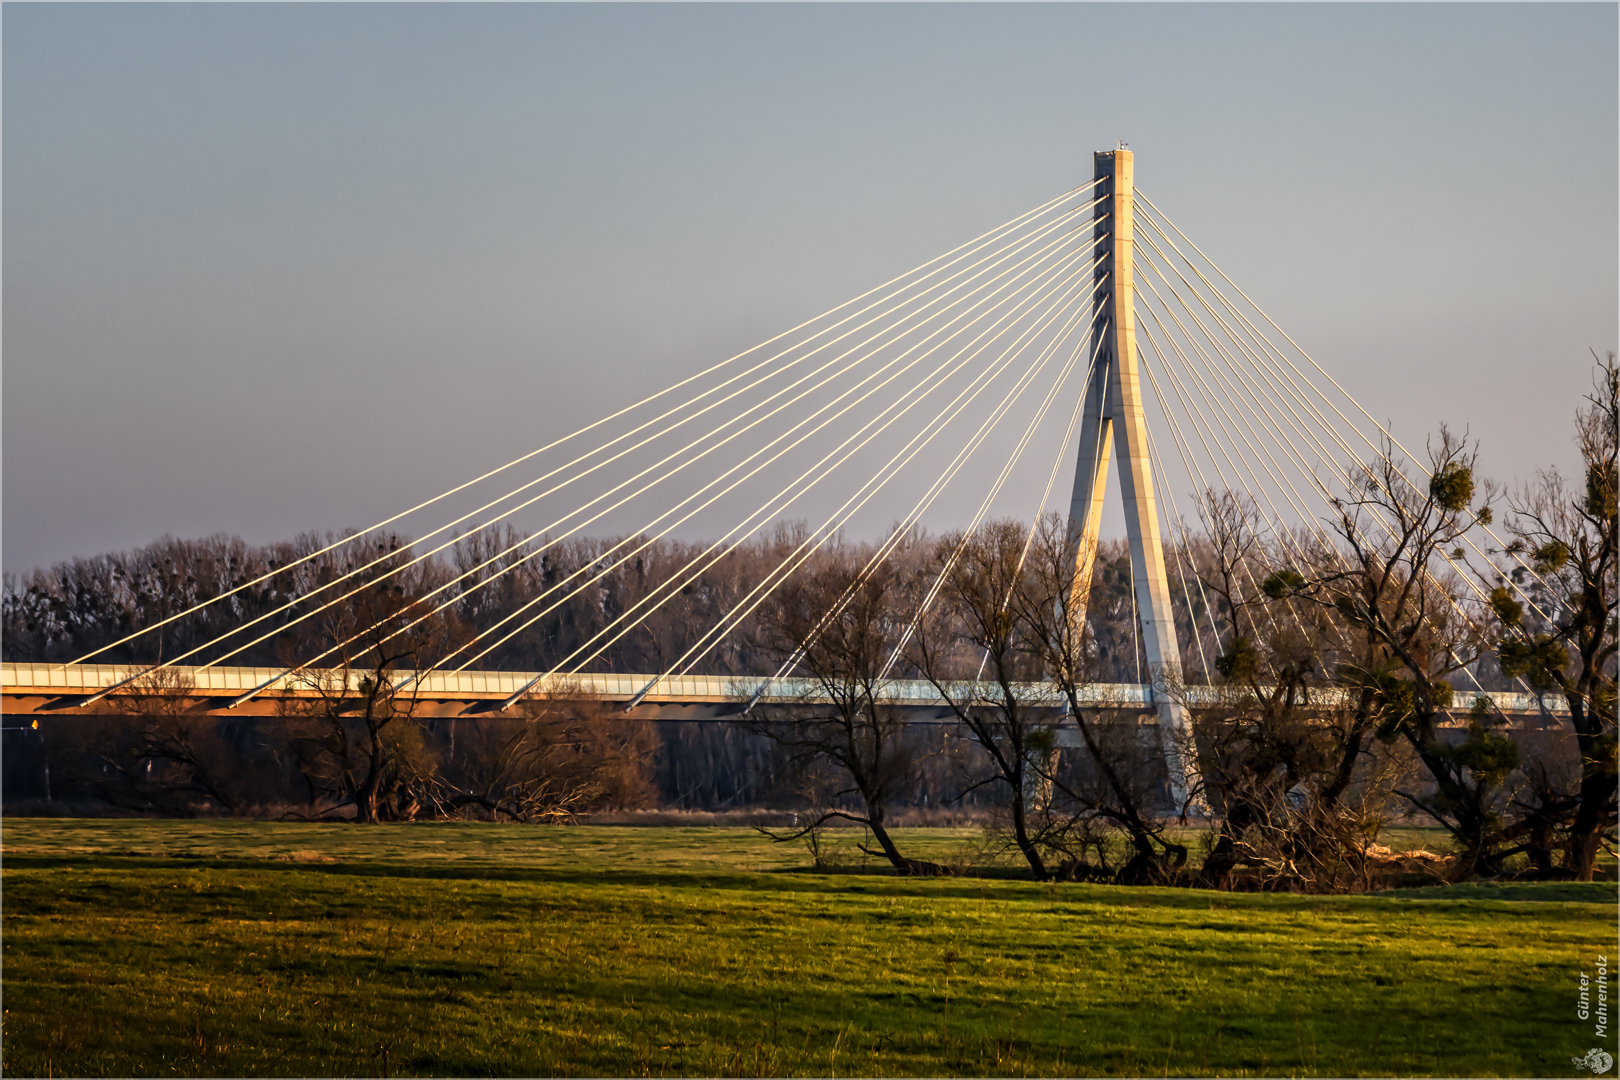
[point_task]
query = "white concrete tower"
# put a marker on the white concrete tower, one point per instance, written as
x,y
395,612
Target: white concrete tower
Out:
x,y
1114,401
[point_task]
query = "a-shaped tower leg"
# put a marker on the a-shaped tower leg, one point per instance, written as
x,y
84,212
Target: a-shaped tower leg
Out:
x,y
1113,418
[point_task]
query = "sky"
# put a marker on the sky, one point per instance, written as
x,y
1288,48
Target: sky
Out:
x,y
276,268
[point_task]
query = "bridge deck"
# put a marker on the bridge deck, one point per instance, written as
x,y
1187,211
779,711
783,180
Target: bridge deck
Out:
x,y
42,688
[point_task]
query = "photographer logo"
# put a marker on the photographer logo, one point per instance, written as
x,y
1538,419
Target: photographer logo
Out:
x,y
1598,1061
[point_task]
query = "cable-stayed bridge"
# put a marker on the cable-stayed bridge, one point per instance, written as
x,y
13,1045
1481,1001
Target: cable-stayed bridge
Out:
x,y
1088,329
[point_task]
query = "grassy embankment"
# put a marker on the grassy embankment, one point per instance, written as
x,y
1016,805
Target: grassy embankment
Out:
x,y
227,948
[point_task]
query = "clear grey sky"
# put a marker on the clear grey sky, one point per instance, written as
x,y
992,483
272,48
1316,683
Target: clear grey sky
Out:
x,y
274,268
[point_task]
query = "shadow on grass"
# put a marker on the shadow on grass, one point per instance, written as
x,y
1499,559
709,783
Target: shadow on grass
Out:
x,y
1572,892
846,881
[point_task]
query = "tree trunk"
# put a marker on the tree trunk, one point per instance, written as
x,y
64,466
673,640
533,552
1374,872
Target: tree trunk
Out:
x,y
1351,752
1591,820
890,852
366,799
1595,811
1021,833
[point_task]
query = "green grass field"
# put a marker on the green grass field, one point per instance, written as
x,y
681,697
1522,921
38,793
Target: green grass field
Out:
x,y
250,948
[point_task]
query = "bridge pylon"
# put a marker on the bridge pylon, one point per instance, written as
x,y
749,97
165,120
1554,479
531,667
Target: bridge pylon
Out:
x,y
1114,423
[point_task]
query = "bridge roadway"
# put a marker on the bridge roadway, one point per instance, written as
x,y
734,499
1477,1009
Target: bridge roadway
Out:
x,y
44,689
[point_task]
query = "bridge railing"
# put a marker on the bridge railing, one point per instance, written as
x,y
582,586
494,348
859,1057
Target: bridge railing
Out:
x,y
67,680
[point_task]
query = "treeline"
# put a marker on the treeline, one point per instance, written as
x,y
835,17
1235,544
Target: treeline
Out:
x,y
496,585
1324,674
281,604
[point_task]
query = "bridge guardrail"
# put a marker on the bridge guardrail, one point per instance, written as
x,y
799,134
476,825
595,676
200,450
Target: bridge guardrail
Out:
x,y
65,680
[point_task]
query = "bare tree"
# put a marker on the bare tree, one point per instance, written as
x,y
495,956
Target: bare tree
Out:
x,y
839,624
567,754
353,724
1390,581
146,751
1566,640
1276,747
1120,785
976,649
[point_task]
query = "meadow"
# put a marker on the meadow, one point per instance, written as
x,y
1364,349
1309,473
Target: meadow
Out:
x,y
254,948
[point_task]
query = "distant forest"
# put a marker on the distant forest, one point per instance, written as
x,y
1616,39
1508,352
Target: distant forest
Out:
x,y
78,607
